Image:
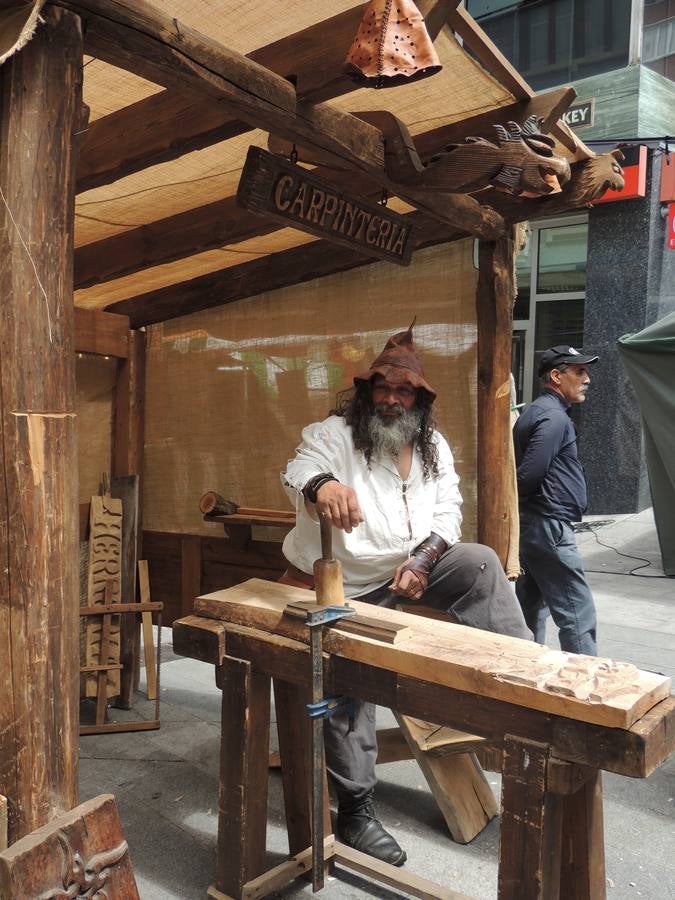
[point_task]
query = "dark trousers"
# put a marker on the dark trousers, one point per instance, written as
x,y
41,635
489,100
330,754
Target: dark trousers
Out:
x,y
468,581
554,581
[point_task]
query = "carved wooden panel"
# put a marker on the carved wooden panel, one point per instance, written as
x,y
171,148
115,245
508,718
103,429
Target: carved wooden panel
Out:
x,y
105,553
81,854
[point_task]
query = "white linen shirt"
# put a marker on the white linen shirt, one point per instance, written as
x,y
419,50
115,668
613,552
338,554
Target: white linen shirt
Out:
x,y
398,515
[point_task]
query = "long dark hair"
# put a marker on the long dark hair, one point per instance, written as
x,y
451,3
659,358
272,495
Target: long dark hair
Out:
x,y
356,406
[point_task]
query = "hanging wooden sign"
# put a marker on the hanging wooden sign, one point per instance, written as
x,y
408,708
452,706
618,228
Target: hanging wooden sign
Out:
x,y
276,188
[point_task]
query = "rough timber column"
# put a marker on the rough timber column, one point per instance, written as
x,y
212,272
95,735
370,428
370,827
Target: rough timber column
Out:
x,y
494,316
40,104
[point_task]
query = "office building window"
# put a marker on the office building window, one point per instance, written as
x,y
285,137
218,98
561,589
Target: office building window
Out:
x,y
553,42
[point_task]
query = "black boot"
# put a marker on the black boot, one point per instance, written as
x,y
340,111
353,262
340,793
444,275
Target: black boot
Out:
x,y
357,827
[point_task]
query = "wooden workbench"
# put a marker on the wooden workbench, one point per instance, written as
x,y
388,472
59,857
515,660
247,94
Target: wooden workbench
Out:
x,y
560,719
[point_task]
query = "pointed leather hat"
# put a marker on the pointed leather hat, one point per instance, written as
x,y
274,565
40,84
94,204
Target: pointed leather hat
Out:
x,y
392,46
399,362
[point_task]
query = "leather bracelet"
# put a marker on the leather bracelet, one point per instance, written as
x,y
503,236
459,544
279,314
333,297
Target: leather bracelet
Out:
x,y
424,558
314,484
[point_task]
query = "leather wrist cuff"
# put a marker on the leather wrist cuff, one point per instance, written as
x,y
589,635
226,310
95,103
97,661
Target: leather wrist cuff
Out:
x,y
426,555
310,489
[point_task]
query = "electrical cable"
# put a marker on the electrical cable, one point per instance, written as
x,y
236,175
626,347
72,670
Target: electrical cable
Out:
x,y
591,526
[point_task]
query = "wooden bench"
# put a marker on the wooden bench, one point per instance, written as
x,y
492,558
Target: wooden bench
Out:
x,y
561,719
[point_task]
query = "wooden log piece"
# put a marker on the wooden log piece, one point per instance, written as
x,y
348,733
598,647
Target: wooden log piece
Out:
x,y
492,665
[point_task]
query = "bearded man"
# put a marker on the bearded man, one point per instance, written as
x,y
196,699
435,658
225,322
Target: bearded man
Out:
x,y
383,474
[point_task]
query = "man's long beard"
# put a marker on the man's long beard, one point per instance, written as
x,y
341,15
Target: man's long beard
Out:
x,y
390,434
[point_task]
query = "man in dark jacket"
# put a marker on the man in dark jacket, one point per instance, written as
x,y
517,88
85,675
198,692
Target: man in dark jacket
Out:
x,y
552,495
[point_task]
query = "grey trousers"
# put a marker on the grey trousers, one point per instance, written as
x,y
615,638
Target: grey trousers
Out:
x,y
468,581
553,579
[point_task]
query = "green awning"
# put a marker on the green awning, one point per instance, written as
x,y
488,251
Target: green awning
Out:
x,y
649,358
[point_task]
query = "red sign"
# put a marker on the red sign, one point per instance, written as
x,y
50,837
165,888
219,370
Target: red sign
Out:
x,y
671,226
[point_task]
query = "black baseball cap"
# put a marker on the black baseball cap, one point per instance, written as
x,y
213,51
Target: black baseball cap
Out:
x,y
563,355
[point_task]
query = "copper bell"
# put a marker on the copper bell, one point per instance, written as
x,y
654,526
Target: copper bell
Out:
x,y
392,46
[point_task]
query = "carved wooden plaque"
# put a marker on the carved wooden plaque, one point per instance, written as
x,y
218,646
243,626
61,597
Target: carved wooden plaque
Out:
x,y
105,554
277,189
81,854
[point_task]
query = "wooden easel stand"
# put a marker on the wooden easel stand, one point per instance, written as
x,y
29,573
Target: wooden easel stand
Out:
x,y
106,610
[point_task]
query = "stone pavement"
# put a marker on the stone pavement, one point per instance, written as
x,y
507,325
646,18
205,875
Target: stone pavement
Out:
x,y
166,781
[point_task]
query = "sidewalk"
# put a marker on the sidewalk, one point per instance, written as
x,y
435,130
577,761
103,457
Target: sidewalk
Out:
x,y
166,781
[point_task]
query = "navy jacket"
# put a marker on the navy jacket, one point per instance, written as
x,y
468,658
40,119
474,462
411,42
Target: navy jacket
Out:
x,y
551,479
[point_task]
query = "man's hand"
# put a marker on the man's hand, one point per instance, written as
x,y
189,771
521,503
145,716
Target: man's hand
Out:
x,y
339,502
407,584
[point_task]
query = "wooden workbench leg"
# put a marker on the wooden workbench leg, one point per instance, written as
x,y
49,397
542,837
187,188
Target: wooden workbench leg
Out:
x,y
582,874
242,812
293,730
530,828
294,727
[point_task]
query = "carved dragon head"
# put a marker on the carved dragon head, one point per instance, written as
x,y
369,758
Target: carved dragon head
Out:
x,y
531,168
521,162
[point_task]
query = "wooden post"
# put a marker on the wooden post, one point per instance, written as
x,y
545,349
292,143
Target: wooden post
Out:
x,y
40,105
494,316
242,808
128,460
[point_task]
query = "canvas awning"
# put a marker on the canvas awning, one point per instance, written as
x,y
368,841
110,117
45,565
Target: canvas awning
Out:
x,y
649,358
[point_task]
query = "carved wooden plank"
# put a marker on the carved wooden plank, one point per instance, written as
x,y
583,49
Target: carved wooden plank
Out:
x,y
77,852
635,752
491,665
40,102
105,556
3,822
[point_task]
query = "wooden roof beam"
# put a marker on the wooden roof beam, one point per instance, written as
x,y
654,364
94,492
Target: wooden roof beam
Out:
x,y
137,36
477,41
223,222
166,125
271,272
134,35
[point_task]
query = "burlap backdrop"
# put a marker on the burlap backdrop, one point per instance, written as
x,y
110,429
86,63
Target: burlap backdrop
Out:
x,y
229,390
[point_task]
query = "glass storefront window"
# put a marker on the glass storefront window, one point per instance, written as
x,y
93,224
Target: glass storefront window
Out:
x,y
562,259
557,322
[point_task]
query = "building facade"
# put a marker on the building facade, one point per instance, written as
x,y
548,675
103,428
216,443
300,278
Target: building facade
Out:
x,y
586,279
